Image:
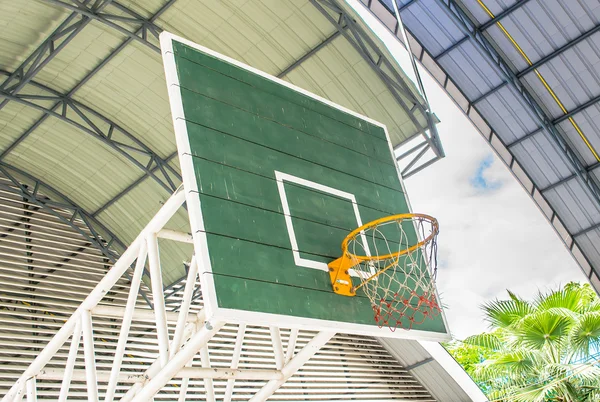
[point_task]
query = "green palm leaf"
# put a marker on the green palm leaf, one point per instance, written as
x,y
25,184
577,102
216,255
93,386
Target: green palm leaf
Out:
x,y
568,299
542,329
485,340
585,334
504,313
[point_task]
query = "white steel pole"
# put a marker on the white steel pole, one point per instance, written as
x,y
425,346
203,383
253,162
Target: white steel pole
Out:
x,y
237,351
277,347
31,390
209,387
185,307
126,323
176,236
73,349
89,355
291,346
290,369
138,314
158,299
196,342
184,382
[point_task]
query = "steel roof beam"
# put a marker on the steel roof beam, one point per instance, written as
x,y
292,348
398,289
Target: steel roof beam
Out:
x,y
371,54
135,27
102,128
419,363
589,169
587,230
558,51
310,53
455,45
497,144
560,119
49,48
40,194
66,101
401,7
502,14
578,109
578,166
131,186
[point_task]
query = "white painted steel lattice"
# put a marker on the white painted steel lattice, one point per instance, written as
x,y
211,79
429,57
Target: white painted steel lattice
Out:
x,y
112,342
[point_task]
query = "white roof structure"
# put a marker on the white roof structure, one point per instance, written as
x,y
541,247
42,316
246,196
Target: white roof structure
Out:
x,y
87,158
526,73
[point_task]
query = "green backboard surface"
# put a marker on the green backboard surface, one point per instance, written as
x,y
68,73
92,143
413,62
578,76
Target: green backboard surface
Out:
x,y
275,178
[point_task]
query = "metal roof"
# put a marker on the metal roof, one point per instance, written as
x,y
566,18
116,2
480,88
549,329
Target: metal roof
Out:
x,y
83,104
86,134
527,74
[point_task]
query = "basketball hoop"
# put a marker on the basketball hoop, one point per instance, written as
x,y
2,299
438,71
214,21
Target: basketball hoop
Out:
x,y
394,259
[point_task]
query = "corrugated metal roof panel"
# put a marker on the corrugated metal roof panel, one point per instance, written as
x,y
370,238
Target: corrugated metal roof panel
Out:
x,y
505,111
429,371
540,157
434,28
589,128
575,207
590,244
77,59
14,117
75,162
472,71
131,89
23,28
573,77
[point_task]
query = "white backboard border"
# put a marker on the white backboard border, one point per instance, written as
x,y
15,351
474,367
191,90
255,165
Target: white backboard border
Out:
x,y
213,311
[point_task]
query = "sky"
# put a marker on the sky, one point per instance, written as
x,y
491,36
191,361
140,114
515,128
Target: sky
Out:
x,y
492,235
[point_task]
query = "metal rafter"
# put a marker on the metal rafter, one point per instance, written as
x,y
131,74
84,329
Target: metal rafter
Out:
x,y
140,154
93,123
379,63
48,49
578,109
133,185
134,26
594,101
502,14
310,53
557,52
511,79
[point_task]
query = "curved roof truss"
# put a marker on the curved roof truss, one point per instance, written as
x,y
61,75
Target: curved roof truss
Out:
x,y
138,26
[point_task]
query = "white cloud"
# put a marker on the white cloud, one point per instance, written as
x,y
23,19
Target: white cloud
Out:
x,y
491,238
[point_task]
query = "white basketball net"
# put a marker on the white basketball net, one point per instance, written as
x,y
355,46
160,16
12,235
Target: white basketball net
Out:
x,y
397,270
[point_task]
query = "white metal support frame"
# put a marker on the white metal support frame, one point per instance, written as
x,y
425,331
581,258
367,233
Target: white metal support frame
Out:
x,y
174,357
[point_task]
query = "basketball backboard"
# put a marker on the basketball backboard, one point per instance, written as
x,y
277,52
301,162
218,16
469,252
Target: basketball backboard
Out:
x,y
275,178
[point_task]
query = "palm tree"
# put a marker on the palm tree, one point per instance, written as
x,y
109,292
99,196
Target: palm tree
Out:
x,y
544,350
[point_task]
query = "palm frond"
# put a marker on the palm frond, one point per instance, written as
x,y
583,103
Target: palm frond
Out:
x,y
566,298
505,313
539,330
485,340
585,335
